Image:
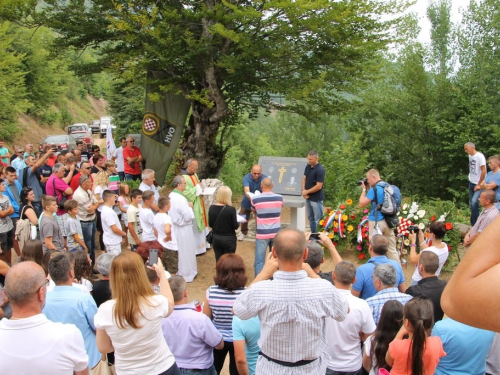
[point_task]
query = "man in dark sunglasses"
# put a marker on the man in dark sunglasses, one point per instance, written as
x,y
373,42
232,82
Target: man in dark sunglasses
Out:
x,y
84,171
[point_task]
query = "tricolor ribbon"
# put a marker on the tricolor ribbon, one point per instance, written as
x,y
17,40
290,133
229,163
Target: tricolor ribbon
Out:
x,y
360,226
342,235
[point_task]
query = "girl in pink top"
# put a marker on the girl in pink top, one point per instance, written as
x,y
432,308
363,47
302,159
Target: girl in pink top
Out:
x,y
418,354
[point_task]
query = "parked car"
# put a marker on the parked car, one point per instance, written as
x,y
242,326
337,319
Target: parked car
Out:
x,y
62,142
78,127
95,126
83,136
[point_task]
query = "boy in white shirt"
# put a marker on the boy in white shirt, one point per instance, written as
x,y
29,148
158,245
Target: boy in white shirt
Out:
x,y
163,225
111,225
146,216
134,235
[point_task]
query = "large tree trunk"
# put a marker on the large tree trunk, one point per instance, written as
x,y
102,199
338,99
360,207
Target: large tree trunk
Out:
x,y
200,142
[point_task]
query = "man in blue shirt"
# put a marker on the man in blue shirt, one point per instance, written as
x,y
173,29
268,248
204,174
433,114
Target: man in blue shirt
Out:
x,y
466,348
363,286
492,179
67,304
376,220
251,183
312,189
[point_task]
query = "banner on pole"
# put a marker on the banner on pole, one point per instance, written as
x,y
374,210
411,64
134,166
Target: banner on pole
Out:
x,y
162,128
110,142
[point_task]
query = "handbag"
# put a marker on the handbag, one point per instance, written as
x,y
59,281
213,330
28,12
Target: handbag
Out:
x,y
60,203
210,236
103,367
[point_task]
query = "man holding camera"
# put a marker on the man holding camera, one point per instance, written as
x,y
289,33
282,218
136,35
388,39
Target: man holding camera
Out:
x,y
377,224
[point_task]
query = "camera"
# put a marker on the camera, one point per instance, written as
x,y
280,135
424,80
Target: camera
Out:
x,y
413,229
363,181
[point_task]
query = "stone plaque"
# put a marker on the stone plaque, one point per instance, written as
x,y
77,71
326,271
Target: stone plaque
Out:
x,y
286,173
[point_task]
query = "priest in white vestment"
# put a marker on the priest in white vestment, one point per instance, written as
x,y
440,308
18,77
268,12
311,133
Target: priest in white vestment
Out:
x,y
182,216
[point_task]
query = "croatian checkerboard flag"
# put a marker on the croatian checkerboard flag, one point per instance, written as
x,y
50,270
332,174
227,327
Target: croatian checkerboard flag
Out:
x,y
110,143
162,126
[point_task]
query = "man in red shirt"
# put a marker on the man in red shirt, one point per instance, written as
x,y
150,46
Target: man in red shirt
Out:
x,y
85,170
132,160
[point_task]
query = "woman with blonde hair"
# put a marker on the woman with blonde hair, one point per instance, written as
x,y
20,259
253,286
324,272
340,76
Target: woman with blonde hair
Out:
x,y
101,183
130,323
222,220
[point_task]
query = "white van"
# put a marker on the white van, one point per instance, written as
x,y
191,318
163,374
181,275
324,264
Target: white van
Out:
x,y
105,122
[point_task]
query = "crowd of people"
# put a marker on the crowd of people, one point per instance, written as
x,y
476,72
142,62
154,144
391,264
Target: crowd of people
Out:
x,y
57,209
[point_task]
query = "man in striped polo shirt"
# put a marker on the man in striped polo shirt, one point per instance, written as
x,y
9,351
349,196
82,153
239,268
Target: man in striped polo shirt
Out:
x,y
267,211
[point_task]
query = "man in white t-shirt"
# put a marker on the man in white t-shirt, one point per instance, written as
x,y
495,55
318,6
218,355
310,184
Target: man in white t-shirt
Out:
x,y
50,348
146,216
111,225
163,226
118,158
345,338
477,173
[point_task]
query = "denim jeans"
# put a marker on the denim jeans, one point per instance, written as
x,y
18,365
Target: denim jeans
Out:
x,y
314,213
473,203
208,371
261,247
122,176
130,177
88,231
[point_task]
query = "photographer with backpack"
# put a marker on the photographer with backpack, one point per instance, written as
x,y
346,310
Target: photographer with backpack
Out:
x,y
385,200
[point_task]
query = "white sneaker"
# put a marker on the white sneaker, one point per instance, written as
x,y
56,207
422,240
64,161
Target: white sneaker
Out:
x,y
241,236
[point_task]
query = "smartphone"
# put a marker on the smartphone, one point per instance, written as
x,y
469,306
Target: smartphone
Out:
x,y
314,236
153,257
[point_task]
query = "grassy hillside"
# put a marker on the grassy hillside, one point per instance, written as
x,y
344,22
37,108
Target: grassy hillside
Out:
x,y
33,130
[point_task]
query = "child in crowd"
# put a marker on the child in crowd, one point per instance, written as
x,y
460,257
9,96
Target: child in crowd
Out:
x,y
123,203
101,184
391,318
147,216
111,225
50,233
6,225
134,235
418,354
74,229
114,179
163,226
83,270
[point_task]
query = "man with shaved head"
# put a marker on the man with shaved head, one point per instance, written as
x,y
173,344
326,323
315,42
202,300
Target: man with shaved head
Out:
x,y
267,216
48,348
293,308
251,183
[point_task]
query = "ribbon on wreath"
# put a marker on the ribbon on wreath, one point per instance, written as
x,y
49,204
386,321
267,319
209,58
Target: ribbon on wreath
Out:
x,y
329,220
342,235
360,227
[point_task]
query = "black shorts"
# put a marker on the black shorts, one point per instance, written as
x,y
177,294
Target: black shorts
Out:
x,y
7,240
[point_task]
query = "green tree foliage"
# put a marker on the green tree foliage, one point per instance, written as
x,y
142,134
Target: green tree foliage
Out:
x,y
228,57
12,89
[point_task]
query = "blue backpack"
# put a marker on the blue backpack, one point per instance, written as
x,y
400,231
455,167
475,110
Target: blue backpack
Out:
x,y
392,199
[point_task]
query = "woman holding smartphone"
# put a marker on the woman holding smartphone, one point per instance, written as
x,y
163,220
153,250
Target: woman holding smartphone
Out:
x,y
130,323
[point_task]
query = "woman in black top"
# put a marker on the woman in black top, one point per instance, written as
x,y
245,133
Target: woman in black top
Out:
x,y
27,210
222,220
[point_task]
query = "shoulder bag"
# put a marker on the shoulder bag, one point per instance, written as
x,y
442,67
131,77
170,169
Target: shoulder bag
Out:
x,y
210,235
